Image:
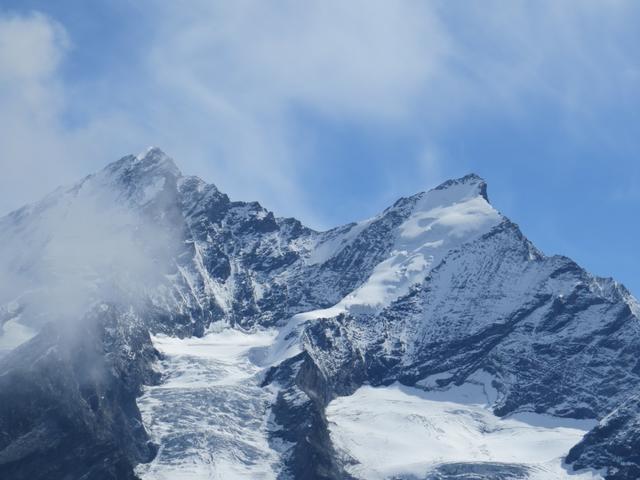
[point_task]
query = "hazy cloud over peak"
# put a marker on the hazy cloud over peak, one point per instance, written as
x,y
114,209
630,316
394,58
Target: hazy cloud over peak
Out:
x,y
31,47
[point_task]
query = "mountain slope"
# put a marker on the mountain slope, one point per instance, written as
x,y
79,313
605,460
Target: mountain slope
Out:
x,y
437,291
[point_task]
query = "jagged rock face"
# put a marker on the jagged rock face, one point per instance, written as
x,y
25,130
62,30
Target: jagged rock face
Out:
x,y
614,444
541,326
225,260
434,289
68,400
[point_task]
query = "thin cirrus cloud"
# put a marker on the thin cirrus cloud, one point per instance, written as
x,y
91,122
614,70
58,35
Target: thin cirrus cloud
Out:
x,y
38,149
31,49
227,89
244,68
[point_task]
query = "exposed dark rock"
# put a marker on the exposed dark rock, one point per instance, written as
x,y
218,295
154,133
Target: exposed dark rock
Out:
x,y
68,400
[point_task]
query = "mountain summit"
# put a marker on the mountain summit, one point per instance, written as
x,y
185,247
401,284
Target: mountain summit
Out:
x,y
472,180
153,328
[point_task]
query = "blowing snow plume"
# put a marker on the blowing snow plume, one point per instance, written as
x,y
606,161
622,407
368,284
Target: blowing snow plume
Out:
x,y
108,238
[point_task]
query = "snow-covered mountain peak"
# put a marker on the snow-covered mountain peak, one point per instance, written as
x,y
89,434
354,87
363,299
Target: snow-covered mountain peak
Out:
x,y
141,179
153,162
460,189
460,206
155,159
427,227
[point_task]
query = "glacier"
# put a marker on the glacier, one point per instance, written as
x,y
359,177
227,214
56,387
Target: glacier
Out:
x,y
209,416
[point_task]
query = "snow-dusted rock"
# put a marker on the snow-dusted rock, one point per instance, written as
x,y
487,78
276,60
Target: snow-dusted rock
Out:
x,y
437,291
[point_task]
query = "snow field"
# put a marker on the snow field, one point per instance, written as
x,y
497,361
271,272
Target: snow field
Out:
x,y
399,430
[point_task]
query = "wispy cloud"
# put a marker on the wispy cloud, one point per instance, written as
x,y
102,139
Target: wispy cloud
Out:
x,y
31,49
243,70
39,150
223,86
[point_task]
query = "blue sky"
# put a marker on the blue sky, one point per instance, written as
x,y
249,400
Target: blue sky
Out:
x,y
329,111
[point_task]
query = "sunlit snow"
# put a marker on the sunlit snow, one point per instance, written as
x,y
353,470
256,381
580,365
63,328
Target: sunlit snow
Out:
x,y
399,431
440,221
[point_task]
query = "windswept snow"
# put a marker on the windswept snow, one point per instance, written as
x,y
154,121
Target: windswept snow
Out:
x,y
209,416
440,221
331,243
399,431
430,232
